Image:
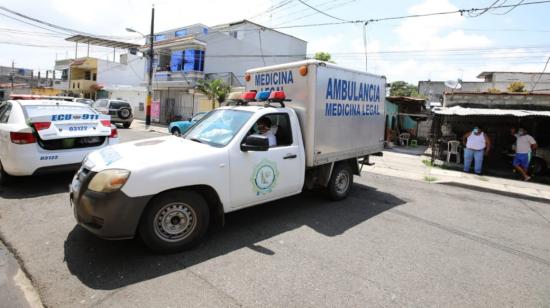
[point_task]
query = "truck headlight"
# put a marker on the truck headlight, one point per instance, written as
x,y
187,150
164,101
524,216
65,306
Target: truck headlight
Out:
x,y
109,180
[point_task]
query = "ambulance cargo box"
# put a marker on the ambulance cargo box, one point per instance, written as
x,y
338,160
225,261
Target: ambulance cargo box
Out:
x,y
341,111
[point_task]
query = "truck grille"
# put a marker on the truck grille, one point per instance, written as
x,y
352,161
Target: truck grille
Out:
x,y
82,174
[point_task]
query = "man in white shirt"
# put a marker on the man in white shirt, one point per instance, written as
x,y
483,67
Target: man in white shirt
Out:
x,y
264,125
524,145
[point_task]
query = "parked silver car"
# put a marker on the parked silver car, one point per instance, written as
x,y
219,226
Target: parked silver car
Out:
x,y
119,110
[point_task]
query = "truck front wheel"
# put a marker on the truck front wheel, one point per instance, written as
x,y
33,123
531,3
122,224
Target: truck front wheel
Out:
x,y
340,182
174,221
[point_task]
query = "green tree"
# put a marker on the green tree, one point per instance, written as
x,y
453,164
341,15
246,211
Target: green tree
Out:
x,y
323,56
401,88
516,86
215,90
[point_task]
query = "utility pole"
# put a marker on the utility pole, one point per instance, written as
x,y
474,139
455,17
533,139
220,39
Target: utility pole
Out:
x,y
150,81
12,74
365,43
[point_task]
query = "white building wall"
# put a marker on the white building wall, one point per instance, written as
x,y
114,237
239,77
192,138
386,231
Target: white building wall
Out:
x,y
131,73
247,45
136,96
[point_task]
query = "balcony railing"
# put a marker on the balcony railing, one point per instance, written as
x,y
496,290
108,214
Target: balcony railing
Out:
x,y
82,85
179,76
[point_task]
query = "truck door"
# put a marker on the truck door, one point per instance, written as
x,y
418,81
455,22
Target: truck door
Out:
x,y
257,177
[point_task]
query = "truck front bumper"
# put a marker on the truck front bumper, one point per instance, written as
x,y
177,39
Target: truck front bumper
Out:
x,y
111,215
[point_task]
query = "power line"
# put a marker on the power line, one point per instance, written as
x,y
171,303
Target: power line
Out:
x,y
35,45
334,4
31,24
485,10
273,8
69,30
461,11
543,70
511,9
319,11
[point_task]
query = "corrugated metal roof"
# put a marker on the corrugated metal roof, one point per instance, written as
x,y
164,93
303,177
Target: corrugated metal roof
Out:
x,y
460,111
100,42
406,99
499,93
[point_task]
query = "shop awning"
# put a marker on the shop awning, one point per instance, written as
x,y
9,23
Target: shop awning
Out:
x,y
460,111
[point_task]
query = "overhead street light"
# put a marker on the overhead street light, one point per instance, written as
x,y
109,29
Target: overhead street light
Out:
x,y
135,31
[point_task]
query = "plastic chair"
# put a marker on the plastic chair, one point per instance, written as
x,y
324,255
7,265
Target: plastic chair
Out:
x,y
453,147
404,139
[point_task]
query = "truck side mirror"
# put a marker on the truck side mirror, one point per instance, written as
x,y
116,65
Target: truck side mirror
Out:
x,y
255,142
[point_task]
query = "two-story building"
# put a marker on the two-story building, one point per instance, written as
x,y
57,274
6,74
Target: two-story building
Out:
x,y
188,54
94,78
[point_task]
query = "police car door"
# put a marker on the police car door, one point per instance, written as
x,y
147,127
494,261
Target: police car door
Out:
x,y
260,176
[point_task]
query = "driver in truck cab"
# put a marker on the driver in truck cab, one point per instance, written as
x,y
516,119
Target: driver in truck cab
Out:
x,y
266,129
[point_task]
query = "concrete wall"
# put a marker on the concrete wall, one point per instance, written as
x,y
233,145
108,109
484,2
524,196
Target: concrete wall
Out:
x,y
114,73
434,90
503,101
516,76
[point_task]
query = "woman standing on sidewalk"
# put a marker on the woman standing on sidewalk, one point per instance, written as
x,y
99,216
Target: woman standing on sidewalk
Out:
x,y
476,145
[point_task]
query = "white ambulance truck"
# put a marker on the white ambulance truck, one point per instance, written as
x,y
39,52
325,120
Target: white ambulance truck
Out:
x,y
168,190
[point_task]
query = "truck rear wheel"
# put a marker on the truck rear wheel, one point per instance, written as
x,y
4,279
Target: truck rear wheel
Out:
x,y
340,182
174,221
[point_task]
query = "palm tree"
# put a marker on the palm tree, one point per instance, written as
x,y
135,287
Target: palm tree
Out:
x,y
215,90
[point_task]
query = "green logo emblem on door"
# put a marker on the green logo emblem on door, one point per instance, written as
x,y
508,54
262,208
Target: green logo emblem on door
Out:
x,y
264,177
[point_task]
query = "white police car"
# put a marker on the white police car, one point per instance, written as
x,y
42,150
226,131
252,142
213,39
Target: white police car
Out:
x,y
40,135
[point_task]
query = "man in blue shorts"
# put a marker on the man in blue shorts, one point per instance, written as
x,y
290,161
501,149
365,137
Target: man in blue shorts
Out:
x,y
524,145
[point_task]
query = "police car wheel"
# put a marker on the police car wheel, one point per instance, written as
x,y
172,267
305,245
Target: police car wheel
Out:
x,y
174,221
340,182
5,178
176,131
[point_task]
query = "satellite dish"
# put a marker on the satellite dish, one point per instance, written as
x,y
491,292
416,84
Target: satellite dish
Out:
x,y
453,84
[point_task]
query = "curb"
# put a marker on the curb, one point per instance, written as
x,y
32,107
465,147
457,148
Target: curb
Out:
x,y
21,280
411,168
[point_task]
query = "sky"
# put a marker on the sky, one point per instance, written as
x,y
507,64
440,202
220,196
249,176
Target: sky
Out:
x,y
430,48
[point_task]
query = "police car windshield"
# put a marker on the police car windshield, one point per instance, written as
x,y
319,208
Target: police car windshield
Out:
x,y
32,111
218,127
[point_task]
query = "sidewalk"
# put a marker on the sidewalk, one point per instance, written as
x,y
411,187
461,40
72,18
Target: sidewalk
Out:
x,y
411,167
154,127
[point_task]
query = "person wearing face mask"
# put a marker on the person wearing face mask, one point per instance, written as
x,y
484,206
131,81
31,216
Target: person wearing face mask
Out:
x,y
476,144
524,145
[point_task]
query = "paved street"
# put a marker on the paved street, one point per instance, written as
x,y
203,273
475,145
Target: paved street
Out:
x,y
394,242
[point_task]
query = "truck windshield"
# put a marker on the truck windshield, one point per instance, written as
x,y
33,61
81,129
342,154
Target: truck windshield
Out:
x,y
218,128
